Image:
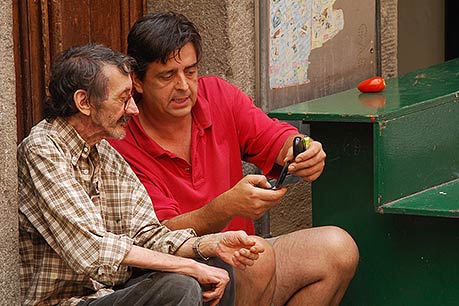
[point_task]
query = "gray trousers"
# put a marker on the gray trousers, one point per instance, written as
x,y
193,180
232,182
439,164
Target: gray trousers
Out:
x,y
154,288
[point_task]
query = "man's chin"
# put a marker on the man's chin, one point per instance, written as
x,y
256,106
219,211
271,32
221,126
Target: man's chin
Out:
x,y
118,133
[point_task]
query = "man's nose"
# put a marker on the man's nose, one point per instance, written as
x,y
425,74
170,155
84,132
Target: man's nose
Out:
x,y
182,82
131,108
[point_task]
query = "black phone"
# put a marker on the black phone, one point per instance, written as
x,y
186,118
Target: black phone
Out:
x,y
299,145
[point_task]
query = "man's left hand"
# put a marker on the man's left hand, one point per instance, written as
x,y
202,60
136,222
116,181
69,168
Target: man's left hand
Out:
x,y
309,164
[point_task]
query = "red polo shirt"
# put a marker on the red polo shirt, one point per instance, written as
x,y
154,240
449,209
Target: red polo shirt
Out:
x,y
227,128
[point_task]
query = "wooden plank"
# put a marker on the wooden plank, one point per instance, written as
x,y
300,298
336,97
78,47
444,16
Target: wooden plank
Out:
x,y
75,19
19,69
388,15
439,201
43,29
56,44
105,30
417,151
35,61
406,94
46,47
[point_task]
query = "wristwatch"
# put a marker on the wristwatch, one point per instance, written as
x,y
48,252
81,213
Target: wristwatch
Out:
x,y
196,251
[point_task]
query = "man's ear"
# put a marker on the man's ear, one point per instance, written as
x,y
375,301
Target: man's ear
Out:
x,y
138,84
81,99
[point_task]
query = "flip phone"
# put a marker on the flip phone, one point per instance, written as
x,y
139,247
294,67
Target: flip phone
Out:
x,y
300,144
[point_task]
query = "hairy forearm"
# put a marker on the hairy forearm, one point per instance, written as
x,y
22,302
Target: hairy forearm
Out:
x,y
147,259
211,218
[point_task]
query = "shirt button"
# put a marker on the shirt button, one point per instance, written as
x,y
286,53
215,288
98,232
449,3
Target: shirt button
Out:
x,y
85,171
85,149
74,158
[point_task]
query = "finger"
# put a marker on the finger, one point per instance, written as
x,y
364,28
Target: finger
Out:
x,y
313,152
256,179
306,168
303,162
237,263
214,302
311,172
247,254
243,262
246,240
289,155
273,195
212,295
257,249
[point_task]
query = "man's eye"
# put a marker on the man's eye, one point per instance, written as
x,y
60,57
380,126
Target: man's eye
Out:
x,y
167,77
191,72
125,99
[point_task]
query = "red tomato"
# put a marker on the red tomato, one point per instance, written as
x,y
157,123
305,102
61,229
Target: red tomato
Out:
x,y
374,84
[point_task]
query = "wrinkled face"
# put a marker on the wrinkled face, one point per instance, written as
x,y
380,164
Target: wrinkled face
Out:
x,y
170,90
112,115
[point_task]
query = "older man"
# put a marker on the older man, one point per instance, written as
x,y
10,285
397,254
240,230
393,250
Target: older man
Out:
x,y
85,219
186,147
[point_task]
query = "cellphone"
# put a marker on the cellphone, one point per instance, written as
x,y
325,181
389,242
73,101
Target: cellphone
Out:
x,y
300,144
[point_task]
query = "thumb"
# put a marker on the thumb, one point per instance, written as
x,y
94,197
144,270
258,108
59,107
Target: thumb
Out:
x,y
258,180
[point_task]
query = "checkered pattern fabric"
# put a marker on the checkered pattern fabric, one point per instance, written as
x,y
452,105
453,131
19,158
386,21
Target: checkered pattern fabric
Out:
x,y
81,209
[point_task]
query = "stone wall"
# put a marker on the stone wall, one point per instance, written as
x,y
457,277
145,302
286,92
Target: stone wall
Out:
x,y
228,29
9,269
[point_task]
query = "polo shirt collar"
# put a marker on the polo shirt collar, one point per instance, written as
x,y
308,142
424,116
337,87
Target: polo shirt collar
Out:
x,y
201,113
201,121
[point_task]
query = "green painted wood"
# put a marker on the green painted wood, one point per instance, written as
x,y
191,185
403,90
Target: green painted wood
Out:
x,y
408,93
405,260
416,151
400,158
412,150
439,201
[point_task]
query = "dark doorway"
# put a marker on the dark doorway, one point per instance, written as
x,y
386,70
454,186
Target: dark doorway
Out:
x,y
451,29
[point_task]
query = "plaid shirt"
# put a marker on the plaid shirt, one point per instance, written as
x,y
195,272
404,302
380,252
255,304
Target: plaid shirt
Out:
x,y
81,209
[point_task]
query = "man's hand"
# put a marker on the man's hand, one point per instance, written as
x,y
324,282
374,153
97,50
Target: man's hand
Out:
x,y
238,249
309,164
251,197
213,281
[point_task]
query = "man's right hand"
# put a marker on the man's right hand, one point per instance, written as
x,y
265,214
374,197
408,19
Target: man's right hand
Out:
x,y
252,196
214,281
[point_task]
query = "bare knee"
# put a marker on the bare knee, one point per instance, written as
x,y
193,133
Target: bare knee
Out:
x,y
342,251
256,284
265,266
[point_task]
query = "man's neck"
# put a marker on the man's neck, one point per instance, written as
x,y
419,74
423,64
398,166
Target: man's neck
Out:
x,y
83,125
172,134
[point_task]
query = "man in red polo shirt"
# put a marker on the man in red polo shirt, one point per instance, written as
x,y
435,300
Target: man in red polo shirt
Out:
x,y
186,147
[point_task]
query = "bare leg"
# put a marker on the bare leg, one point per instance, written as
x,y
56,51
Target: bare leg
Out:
x,y
255,285
314,266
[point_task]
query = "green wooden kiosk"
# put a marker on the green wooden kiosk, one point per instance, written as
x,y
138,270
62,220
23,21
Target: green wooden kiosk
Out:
x,y
392,181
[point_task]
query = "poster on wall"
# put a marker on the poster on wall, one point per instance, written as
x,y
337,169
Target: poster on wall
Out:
x,y
316,47
296,28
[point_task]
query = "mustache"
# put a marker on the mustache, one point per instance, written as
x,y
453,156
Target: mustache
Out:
x,y
124,119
